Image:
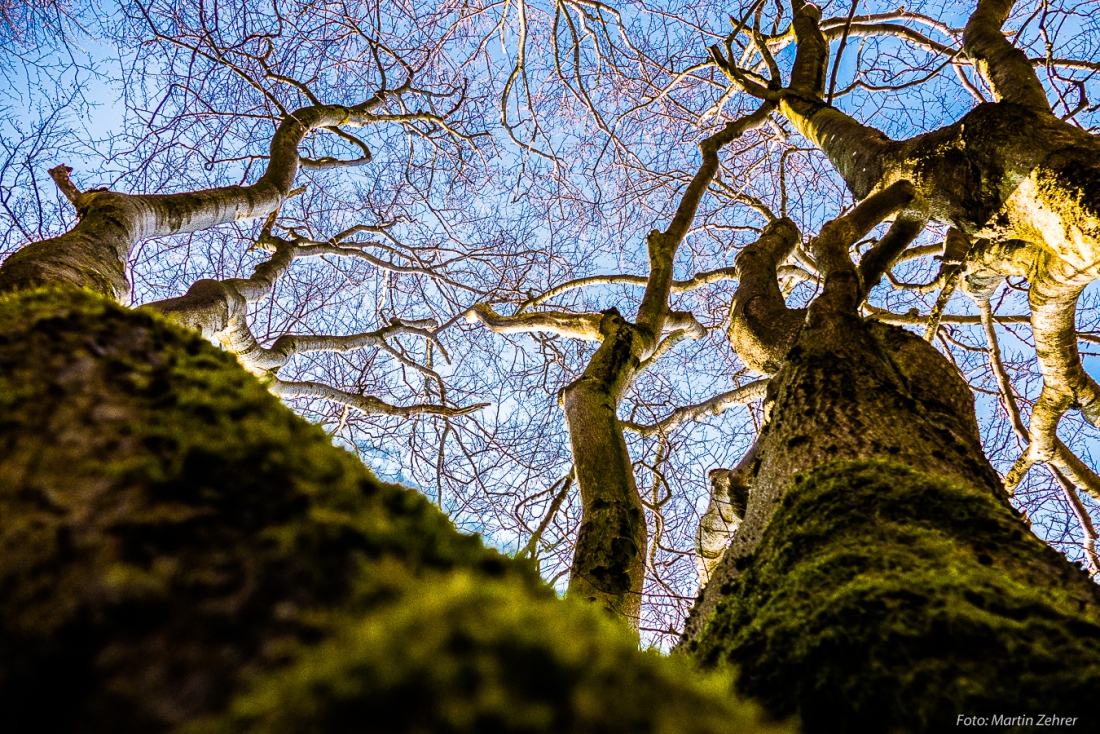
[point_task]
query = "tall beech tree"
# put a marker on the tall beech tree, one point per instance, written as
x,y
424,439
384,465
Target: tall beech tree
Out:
x,y
182,553
609,559
871,506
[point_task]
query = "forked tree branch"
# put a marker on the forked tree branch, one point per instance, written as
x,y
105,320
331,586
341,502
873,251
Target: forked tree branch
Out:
x,y
1008,71
1078,472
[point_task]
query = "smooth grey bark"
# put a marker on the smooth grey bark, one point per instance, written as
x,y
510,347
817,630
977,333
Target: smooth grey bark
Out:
x,y
93,254
609,560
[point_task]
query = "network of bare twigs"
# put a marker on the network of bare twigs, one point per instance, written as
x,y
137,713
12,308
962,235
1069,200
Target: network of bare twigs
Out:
x,y
518,155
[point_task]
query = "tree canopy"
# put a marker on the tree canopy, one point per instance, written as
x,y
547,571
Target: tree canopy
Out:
x,y
480,183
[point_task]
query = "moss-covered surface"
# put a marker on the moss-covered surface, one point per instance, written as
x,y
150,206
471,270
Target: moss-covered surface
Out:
x,y
882,599
464,654
176,543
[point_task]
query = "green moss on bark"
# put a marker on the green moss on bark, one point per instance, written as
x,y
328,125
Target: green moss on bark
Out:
x,y
467,655
172,537
167,525
882,599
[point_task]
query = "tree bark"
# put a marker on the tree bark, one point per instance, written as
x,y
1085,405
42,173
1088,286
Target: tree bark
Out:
x,y
880,579
93,254
1005,170
609,560
183,553
1023,184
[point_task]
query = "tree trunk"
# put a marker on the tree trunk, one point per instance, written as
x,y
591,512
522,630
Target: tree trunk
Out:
x,y
880,580
890,585
609,560
182,553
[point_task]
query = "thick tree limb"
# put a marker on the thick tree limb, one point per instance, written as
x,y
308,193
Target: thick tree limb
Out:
x,y
609,561
1053,297
762,328
855,149
1055,288
60,176
663,245
1005,67
93,254
1054,452
572,325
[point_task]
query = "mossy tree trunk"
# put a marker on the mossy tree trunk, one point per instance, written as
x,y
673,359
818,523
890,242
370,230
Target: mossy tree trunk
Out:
x,y
880,579
180,552
890,585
